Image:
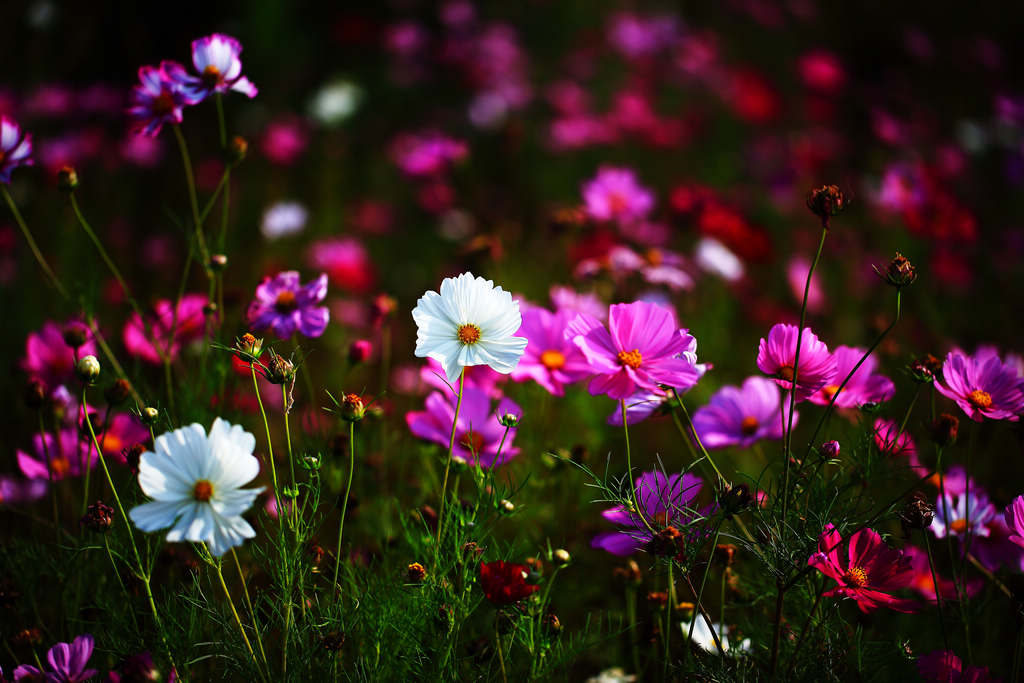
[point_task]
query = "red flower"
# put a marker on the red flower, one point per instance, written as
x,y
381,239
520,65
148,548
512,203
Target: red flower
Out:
x,y
868,573
505,582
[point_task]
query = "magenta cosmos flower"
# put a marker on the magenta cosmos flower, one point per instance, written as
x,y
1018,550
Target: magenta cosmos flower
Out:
x,y
943,666
187,321
216,58
48,357
426,154
664,500
615,195
15,148
982,386
67,456
549,359
865,386
283,304
480,377
640,349
477,433
741,416
1014,516
160,97
67,663
892,442
776,356
867,572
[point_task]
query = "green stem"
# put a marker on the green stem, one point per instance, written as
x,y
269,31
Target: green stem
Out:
x,y
696,437
447,466
117,575
241,629
32,244
804,630
700,595
270,443
193,200
252,611
344,505
938,590
288,437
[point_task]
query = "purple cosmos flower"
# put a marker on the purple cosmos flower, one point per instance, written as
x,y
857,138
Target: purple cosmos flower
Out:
x,y
615,194
982,386
15,148
285,305
1014,517
741,416
160,97
866,386
15,491
776,356
550,359
67,663
664,501
965,513
65,456
478,434
216,58
640,349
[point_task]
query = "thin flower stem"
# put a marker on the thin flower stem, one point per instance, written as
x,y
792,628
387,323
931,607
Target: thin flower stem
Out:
x,y
344,505
448,464
252,611
241,629
501,656
990,576
938,589
707,618
288,437
49,474
190,181
629,469
270,443
669,606
803,632
117,575
696,438
40,259
631,618
700,593
143,575
109,355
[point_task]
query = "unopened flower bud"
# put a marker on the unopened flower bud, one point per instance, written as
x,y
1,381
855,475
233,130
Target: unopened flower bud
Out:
x,y
209,309
945,429
899,273
506,506
35,394
359,351
415,573
236,150
657,598
352,408
510,420
218,262
561,557
248,348
725,553
88,369
118,392
917,513
830,450
99,517
280,370
825,202
630,573
75,334
668,542
149,415
67,179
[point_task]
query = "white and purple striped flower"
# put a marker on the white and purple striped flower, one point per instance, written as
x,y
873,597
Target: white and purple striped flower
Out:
x,y
160,97
216,58
15,148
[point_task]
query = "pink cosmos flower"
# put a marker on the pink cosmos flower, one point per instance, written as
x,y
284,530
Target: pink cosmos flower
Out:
x,y
866,386
943,666
283,304
216,58
346,262
550,359
776,356
893,443
796,276
160,97
66,456
477,433
665,501
924,584
480,377
640,349
426,154
568,299
615,194
189,325
1014,517
15,148
982,386
67,663
741,416
868,572
48,357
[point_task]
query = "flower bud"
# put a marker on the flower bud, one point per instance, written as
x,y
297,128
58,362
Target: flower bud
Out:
x,y
668,542
383,306
415,573
149,415
248,348
917,513
359,351
899,273
945,429
509,420
280,370
35,394
88,369
561,557
825,202
99,517
830,450
218,262
236,150
118,392
352,408
67,179
630,573
75,334
506,506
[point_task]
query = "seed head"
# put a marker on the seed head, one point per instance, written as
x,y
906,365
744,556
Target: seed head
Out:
x,y
415,573
825,202
280,370
99,517
899,273
917,513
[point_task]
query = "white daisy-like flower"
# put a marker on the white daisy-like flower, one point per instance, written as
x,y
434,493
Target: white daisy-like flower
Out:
x,y
195,482
471,322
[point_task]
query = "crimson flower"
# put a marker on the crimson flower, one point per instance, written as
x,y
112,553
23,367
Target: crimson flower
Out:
x,y
505,582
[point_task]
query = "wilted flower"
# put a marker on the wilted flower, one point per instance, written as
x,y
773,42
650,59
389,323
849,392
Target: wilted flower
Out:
x,y
917,513
15,148
868,573
196,482
415,573
899,273
98,517
504,583
283,304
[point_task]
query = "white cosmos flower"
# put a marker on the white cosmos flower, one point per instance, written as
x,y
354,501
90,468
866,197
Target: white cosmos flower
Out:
x,y
195,482
471,322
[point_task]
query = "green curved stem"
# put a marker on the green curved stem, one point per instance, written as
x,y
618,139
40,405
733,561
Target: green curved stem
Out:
x,y
344,505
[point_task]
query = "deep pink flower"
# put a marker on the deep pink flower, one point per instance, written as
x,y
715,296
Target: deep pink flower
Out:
x,y
615,194
893,443
346,262
982,386
1014,517
550,359
15,148
48,357
426,154
943,666
216,58
868,572
160,97
189,325
477,434
865,386
66,456
640,349
284,140
283,304
67,663
741,416
924,584
776,356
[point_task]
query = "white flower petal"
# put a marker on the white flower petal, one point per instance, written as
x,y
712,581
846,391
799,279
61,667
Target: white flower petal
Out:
x,y
155,515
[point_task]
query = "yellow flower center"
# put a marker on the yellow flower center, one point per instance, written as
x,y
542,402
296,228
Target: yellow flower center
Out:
x,y
654,257
749,425
552,359
468,333
856,576
631,359
202,491
981,400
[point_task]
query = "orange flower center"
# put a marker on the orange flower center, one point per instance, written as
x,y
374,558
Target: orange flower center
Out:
x,y
211,75
473,442
468,333
60,466
654,257
631,359
981,400
958,526
786,373
856,576
749,425
163,104
830,391
202,491
285,301
552,359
